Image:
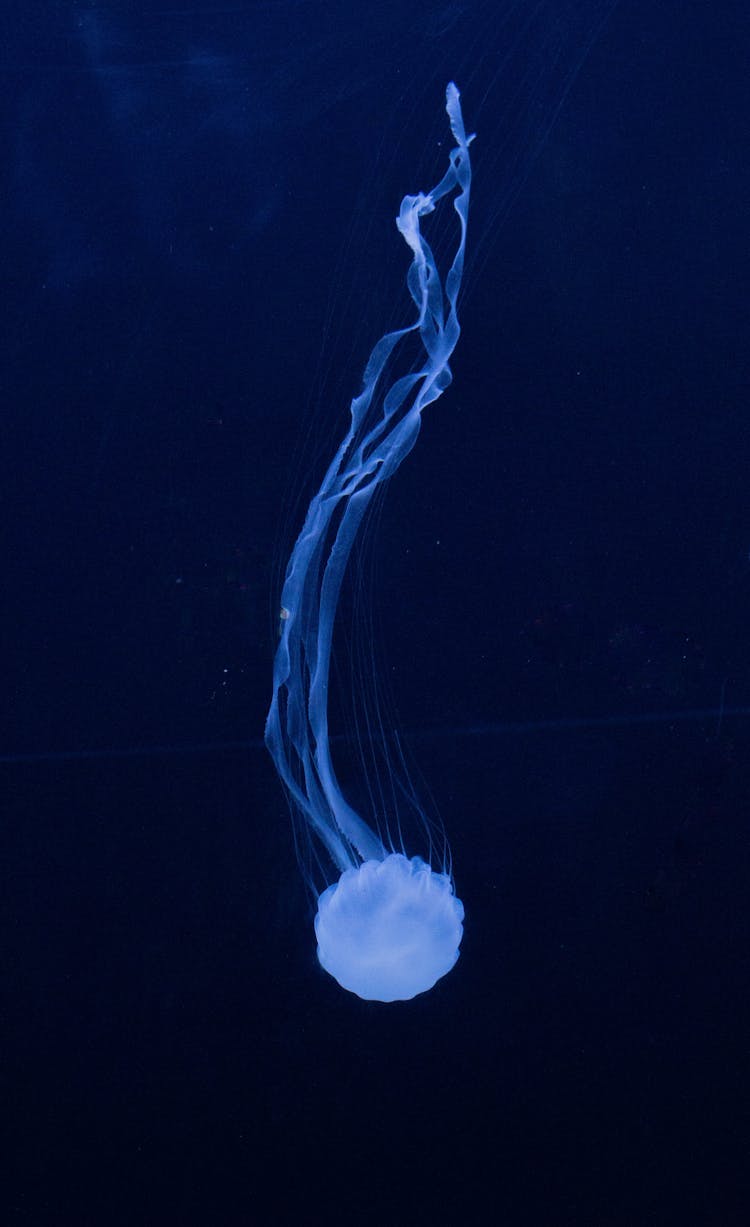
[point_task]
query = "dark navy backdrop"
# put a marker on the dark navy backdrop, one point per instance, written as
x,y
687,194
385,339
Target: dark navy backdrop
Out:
x,y
198,252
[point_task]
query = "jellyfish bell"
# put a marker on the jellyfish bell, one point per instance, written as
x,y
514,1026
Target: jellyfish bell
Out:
x,y
389,929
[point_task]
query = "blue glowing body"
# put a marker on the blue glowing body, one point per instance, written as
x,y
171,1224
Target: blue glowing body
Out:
x,y
385,423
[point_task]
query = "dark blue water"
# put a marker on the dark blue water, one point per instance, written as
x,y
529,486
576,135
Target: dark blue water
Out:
x,y
198,253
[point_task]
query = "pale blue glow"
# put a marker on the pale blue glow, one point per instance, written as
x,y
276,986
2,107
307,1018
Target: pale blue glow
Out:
x,y
390,929
297,724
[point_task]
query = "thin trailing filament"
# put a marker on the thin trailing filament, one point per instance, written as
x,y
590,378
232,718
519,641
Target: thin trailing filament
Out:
x,y
384,425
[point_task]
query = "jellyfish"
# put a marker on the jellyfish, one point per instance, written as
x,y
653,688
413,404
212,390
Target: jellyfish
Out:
x,y
391,925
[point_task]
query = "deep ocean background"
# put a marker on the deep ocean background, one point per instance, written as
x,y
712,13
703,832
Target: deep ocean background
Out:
x,y
198,252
